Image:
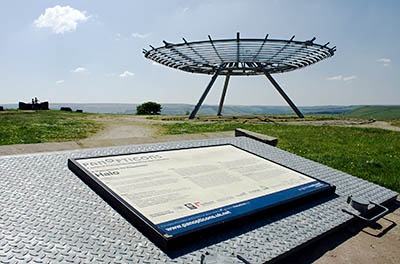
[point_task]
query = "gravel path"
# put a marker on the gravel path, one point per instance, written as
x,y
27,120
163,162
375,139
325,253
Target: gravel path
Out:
x,y
351,123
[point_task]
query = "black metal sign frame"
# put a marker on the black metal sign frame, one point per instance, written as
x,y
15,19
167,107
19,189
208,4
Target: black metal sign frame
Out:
x,y
167,240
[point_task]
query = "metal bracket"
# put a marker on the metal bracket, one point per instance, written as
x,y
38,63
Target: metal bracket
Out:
x,y
361,205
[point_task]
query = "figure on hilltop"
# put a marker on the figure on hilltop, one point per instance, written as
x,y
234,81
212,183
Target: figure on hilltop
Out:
x,y
35,105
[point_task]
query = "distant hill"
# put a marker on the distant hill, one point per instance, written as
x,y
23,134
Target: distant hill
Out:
x,y
182,109
375,111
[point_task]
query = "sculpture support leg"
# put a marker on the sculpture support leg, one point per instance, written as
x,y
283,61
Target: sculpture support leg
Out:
x,y
203,97
221,102
277,87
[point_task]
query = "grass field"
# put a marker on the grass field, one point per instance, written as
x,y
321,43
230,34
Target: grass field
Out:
x,y
371,154
24,127
396,123
376,111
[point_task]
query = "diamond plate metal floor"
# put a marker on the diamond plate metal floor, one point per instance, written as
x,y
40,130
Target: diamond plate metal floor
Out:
x,y
49,215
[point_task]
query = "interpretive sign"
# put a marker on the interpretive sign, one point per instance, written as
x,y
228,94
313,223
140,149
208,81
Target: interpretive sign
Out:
x,y
172,193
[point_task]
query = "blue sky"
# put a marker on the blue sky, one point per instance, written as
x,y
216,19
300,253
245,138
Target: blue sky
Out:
x,y
91,51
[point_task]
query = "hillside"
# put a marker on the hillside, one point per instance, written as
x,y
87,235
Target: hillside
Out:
x,y
378,111
375,111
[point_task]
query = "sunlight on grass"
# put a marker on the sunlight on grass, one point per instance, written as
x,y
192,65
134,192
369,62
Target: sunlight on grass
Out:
x,y
371,154
17,127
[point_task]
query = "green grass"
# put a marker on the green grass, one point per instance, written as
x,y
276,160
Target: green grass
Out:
x,y
396,123
24,127
371,154
376,111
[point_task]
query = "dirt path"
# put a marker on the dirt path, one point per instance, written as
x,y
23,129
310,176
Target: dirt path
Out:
x,y
351,123
121,129
286,120
116,127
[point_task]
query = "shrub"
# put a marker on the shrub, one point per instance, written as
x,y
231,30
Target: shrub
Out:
x,y
149,108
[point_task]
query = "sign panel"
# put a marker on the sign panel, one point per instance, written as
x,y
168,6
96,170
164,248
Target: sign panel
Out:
x,y
176,192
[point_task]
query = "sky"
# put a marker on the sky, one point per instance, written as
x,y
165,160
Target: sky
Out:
x,y
85,51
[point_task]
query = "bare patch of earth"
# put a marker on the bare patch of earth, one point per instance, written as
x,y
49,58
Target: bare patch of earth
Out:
x,y
284,120
124,126
351,123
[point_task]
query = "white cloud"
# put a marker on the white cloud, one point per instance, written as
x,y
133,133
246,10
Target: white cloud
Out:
x,y
349,78
126,74
138,35
79,70
59,81
185,10
60,19
342,78
335,78
384,60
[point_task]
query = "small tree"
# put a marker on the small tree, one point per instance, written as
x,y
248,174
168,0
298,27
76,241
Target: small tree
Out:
x,y
149,108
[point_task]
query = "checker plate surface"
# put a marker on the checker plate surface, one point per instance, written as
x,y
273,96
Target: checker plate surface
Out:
x,y
49,215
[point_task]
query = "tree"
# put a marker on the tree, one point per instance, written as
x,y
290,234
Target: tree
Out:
x,y
149,108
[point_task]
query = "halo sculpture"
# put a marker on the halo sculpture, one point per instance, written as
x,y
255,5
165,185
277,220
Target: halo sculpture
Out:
x,y
240,57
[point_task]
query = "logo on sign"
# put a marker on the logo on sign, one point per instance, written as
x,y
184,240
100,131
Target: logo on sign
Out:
x,y
192,206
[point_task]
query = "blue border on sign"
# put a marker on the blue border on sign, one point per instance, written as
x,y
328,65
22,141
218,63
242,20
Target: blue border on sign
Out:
x,y
196,221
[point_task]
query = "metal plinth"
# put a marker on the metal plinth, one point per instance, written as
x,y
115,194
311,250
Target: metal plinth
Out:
x,y
49,215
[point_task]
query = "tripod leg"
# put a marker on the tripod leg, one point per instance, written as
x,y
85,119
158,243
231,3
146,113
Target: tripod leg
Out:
x,y
277,87
221,102
203,97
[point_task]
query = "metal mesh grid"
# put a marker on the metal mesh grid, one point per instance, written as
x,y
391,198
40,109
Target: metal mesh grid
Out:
x,y
48,215
240,56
